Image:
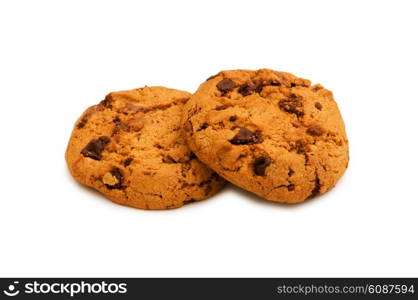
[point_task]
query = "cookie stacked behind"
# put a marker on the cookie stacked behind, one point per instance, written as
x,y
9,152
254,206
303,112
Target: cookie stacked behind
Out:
x,y
268,132
131,148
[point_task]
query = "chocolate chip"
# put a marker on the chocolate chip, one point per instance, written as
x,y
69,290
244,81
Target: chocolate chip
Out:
x,y
291,187
293,84
82,123
192,155
117,181
260,86
290,172
95,148
131,125
246,137
292,104
127,161
247,89
203,126
221,107
317,187
119,126
318,105
315,130
232,118
225,85
106,102
260,164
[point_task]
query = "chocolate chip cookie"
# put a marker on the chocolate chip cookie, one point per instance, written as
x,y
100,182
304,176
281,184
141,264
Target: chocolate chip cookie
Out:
x,y
269,132
131,147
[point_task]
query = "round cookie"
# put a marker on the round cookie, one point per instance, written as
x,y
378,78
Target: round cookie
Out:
x,y
269,132
131,148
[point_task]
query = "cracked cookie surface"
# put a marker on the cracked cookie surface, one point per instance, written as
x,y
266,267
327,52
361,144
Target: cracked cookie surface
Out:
x,y
269,132
131,147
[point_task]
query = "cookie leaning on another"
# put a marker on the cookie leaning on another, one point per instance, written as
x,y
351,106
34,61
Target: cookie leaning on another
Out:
x,y
131,148
269,132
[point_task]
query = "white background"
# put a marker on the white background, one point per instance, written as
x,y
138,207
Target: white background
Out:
x,y
59,57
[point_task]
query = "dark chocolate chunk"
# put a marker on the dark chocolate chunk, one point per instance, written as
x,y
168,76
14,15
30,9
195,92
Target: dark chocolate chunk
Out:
x,y
315,130
318,105
82,122
290,172
106,102
260,164
292,104
247,89
118,175
233,118
260,86
203,126
317,187
95,148
119,126
127,161
221,107
291,187
225,85
192,155
246,137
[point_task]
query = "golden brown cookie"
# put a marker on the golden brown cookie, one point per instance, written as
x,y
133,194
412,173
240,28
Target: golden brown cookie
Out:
x,y
269,132
131,148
